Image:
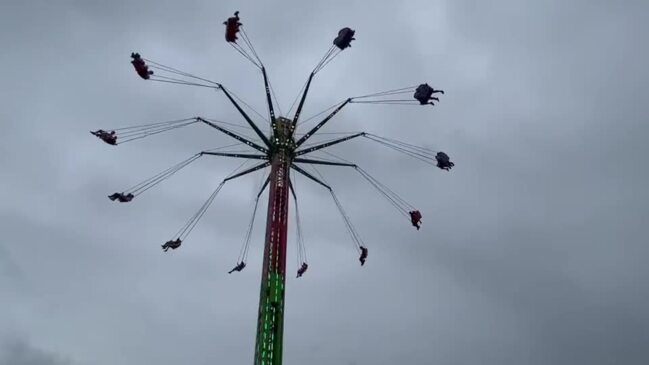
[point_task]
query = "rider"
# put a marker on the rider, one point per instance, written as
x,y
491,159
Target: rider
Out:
x,y
363,255
121,197
108,137
232,27
344,38
424,93
415,218
443,161
173,244
302,269
140,67
239,267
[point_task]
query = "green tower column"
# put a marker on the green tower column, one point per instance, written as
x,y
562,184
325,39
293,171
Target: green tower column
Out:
x,y
270,323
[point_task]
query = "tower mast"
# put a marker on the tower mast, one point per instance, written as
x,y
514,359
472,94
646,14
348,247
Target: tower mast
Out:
x,y
270,322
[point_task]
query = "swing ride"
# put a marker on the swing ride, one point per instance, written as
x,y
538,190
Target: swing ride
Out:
x,y
282,151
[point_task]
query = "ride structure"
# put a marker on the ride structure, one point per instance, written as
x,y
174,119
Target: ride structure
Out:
x,y
283,151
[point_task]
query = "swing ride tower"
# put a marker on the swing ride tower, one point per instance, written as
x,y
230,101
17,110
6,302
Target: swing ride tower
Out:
x,y
270,322
283,152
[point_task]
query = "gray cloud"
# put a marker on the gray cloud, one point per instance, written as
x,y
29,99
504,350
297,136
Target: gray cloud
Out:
x,y
531,249
17,352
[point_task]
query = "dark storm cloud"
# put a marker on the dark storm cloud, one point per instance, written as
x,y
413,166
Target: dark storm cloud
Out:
x,y
16,352
532,247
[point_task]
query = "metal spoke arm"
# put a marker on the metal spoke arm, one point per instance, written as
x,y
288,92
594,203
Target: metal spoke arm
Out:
x,y
246,172
299,107
322,123
246,117
301,171
268,98
234,135
290,185
323,162
263,187
237,155
327,144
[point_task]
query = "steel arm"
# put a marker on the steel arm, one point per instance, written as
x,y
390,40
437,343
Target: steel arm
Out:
x,y
268,98
299,107
252,169
247,118
325,120
321,162
234,135
301,171
238,155
263,187
327,144
290,185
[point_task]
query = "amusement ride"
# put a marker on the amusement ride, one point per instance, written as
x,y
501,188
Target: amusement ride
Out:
x,y
279,153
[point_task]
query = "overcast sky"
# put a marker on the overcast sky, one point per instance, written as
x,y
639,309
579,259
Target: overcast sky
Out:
x,y
532,251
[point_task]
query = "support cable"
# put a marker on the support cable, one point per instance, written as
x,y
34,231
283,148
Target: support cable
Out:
x,y
185,230
249,137
331,58
179,72
423,157
149,183
246,104
320,113
151,125
356,238
172,80
243,52
301,248
419,153
235,125
186,74
135,135
331,53
127,134
387,92
379,97
328,54
393,198
249,43
250,53
158,178
243,252
404,144
297,97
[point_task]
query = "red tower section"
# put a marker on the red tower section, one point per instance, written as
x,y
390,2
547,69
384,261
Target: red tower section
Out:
x,y
270,323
